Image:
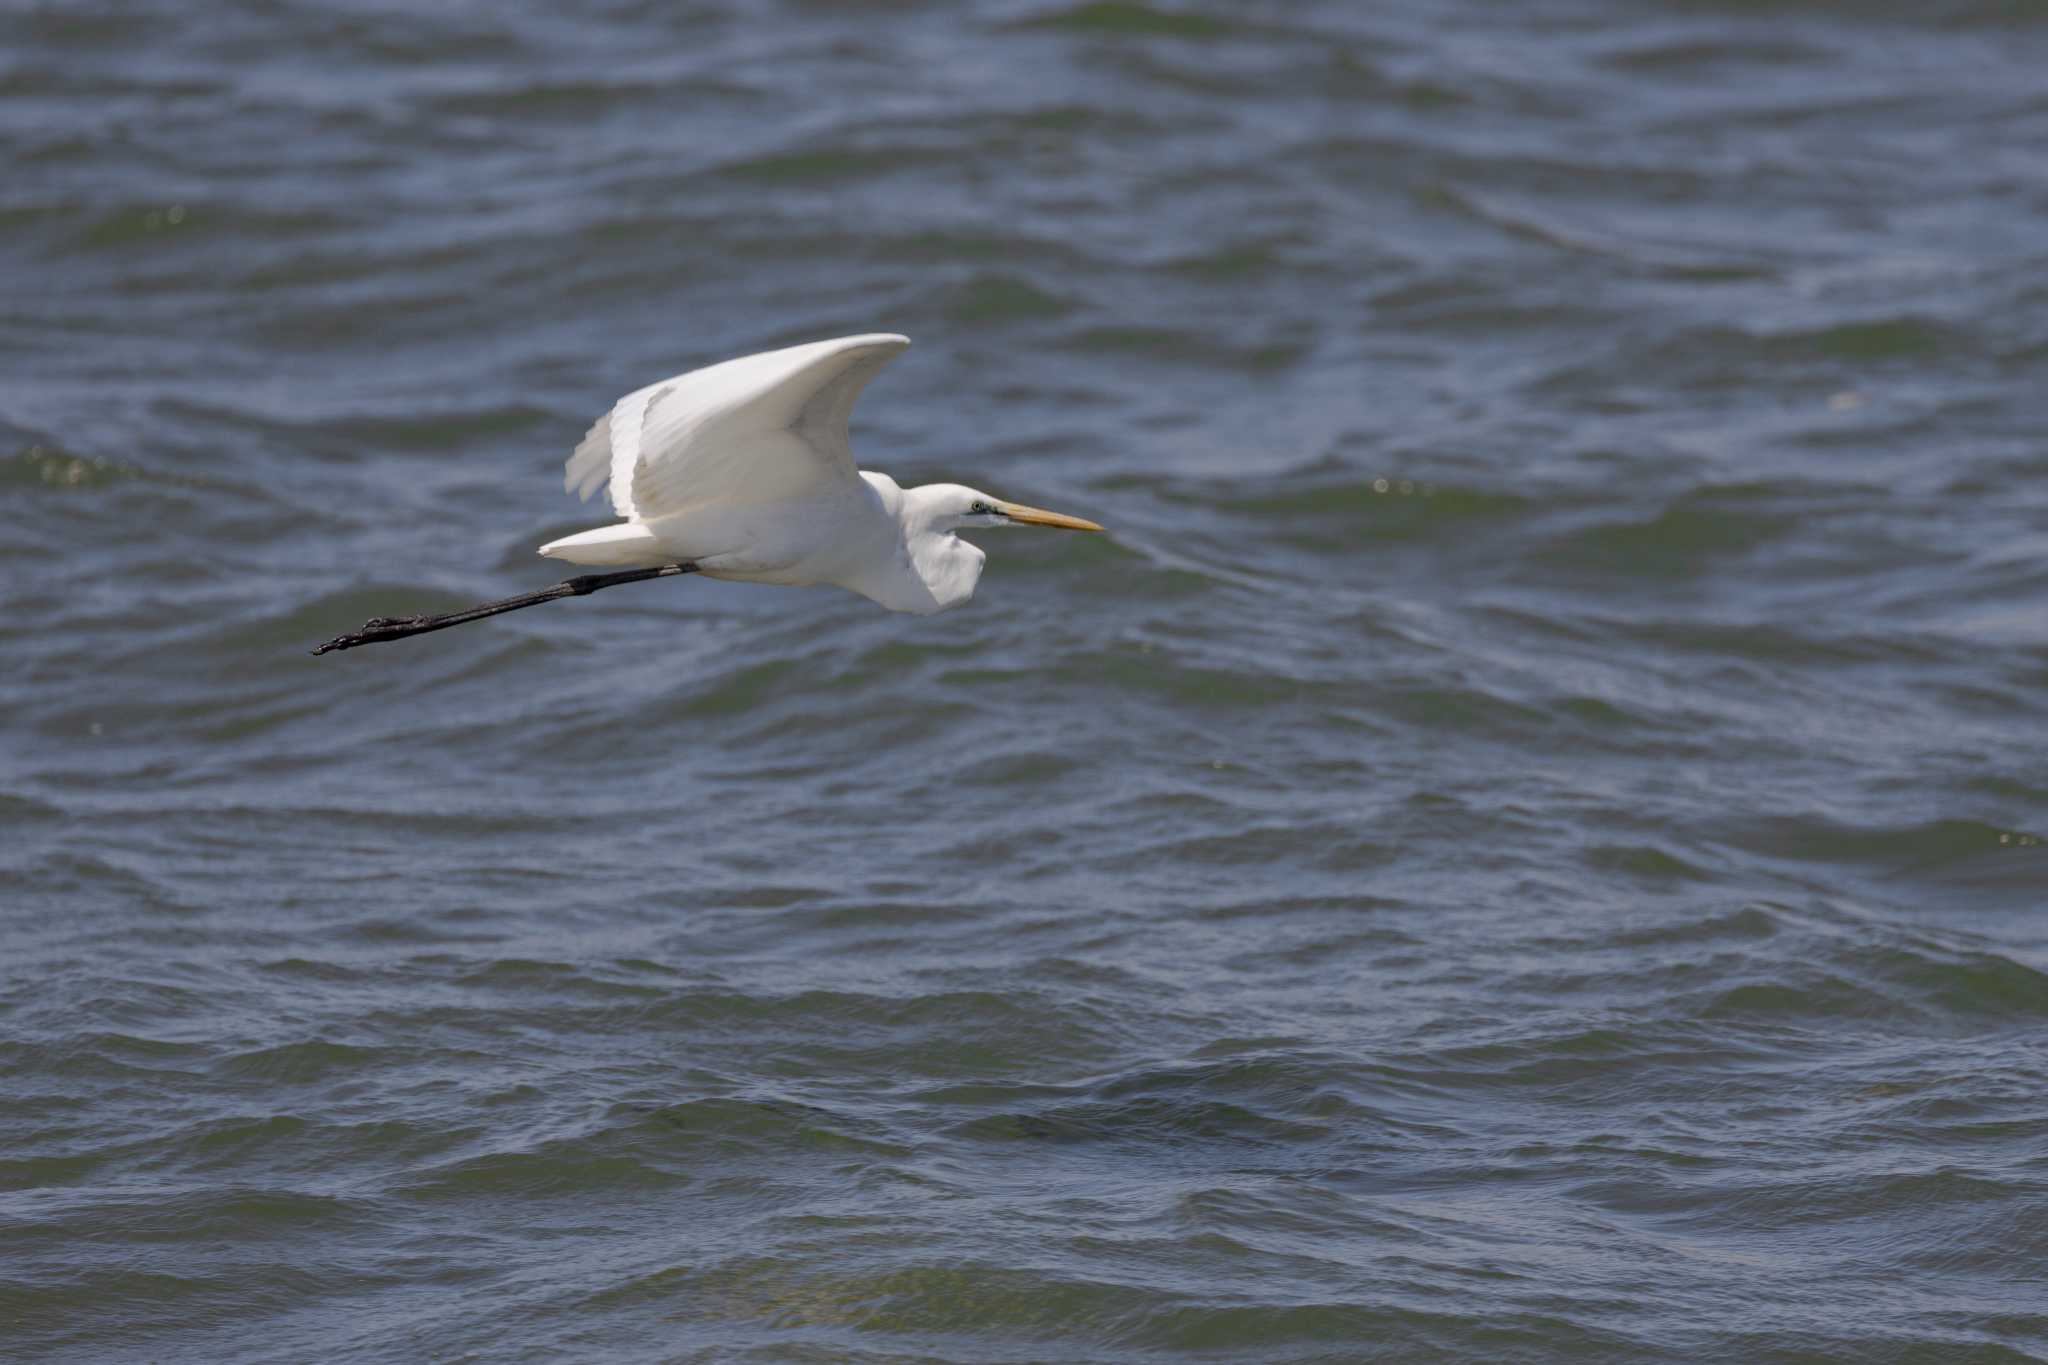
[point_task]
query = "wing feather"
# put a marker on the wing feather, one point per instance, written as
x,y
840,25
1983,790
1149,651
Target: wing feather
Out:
x,y
591,466
751,430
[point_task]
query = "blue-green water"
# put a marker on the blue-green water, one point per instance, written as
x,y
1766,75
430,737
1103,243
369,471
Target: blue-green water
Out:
x,y
1523,843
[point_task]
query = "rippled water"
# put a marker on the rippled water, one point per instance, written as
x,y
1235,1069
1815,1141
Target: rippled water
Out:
x,y
1523,843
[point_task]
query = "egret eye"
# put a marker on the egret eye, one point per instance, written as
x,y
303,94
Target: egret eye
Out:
x,y
981,509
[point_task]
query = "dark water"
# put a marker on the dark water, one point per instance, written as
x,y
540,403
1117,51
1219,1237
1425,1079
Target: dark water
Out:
x,y
1523,844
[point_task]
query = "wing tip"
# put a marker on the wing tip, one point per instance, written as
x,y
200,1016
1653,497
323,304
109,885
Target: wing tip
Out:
x,y
894,340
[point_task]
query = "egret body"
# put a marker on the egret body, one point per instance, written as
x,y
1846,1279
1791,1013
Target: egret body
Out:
x,y
744,470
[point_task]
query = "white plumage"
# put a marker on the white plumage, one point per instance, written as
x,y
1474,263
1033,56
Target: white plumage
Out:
x,y
744,469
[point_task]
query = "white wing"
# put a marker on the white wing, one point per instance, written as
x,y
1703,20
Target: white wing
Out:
x,y
752,430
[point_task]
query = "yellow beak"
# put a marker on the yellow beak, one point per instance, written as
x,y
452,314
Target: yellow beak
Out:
x,y
1038,516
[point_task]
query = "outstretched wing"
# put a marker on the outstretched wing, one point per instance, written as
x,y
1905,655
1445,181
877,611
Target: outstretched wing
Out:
x,y
757,429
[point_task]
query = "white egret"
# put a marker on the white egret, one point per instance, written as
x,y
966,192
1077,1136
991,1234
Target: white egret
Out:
x,y
742,470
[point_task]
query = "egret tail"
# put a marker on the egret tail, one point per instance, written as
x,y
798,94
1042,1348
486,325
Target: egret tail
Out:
x,y
625,544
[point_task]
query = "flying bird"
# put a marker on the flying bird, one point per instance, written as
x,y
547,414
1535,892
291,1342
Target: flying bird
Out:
x,y
742,470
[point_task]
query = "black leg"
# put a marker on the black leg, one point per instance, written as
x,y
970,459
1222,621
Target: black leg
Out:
x,y
383,628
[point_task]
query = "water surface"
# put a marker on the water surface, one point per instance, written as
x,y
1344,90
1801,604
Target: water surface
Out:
x,y
1524,842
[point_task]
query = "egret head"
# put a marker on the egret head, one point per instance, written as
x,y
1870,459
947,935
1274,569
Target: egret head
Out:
x,y
954,507
944,568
